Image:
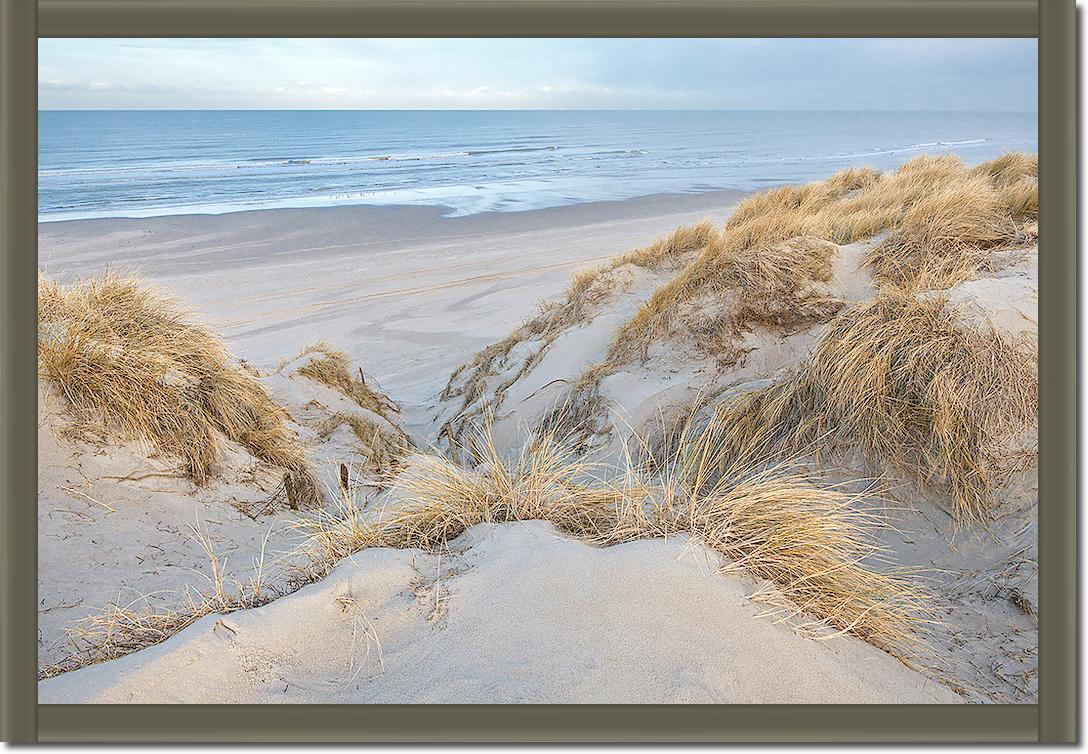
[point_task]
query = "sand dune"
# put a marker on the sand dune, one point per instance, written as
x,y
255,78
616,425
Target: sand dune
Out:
x,y
472,321
512,614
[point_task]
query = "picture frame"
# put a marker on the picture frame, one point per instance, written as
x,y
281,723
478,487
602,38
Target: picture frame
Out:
x,y
1052,720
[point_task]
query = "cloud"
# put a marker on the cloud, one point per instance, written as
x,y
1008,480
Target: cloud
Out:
x,y
840,74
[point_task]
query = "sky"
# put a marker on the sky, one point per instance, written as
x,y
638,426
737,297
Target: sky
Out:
x,y
773,74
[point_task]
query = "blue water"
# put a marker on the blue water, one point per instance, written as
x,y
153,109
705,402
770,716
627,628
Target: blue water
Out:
x,y
145,163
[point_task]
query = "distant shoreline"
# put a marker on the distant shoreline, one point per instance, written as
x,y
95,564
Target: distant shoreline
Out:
x,y
429,211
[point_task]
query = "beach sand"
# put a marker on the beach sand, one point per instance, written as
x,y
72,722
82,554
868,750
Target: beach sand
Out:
x,y
510,613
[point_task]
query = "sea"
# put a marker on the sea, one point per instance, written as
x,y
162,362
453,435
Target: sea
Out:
x,y
133,163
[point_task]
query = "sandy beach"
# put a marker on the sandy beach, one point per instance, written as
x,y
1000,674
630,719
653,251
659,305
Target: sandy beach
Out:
x,y
615,328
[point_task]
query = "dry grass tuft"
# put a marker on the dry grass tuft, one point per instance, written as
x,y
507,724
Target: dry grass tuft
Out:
x,y
771,267
1021,199
333,368
815,545
780,288
129,363
588,290
945,238
899,378
1009,168
671,249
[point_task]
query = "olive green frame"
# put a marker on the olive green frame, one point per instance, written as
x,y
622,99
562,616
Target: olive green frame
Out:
x,y
1053,21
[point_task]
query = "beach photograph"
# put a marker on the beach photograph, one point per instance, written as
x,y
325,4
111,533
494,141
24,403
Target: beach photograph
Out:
x,y
537,371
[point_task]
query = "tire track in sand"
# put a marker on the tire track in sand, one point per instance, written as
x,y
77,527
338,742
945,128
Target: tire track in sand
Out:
x,y
319,306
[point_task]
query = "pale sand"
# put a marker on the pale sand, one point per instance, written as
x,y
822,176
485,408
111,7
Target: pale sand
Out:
x,y
410,296
517,614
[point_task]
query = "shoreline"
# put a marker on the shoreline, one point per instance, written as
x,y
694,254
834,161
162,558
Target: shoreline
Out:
x,y
436,211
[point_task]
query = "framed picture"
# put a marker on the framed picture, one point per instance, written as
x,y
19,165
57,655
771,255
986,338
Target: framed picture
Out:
x,y
538,372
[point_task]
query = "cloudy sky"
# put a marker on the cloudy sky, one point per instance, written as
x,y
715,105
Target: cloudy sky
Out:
x,y
824,74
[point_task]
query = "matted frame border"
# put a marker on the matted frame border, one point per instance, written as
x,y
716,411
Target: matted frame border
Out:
x,y
1053,21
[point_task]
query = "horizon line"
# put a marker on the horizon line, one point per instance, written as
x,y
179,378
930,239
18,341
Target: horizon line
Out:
x,y
530,109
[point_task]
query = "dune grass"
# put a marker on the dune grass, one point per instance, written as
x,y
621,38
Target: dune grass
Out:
x,y
131,364
816,548
899,378
333,368
815,545
771,267
672,249
946,237
943,219
1009,168
780,288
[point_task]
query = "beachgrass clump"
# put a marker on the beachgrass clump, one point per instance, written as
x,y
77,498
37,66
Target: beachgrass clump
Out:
x,y
946,237
587,291
1009,168
672,249
1021,200
333,368
1016,177
780,288
816,545
130,363
916,391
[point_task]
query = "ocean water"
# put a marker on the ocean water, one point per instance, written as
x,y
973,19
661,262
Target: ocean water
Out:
x,y
147,163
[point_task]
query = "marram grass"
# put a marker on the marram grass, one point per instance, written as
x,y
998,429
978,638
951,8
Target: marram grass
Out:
x,y
903,380
768,269
129,362
587,292
943,220
816,545
333,368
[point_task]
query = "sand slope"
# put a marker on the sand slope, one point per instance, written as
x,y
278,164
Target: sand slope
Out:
x,y
984,578
514,613
118,524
